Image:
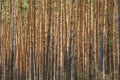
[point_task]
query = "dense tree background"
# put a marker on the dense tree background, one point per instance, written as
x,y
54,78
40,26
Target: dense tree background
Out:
x,y
59,39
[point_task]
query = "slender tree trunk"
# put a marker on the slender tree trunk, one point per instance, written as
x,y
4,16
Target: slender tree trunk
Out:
x,y
13,25
43,27
1,40
70,43
53,53
49,6
119,35
101,53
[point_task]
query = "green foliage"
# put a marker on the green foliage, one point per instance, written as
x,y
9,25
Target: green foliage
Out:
x,y
24,4
110,42
1,1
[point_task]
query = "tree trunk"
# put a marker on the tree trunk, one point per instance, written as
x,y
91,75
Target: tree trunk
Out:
x,y
119,35
101,53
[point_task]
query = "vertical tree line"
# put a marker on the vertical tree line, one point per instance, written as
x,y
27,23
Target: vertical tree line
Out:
x,y
59,40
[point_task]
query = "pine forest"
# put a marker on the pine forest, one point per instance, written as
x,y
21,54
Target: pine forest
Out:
x,y
59,39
